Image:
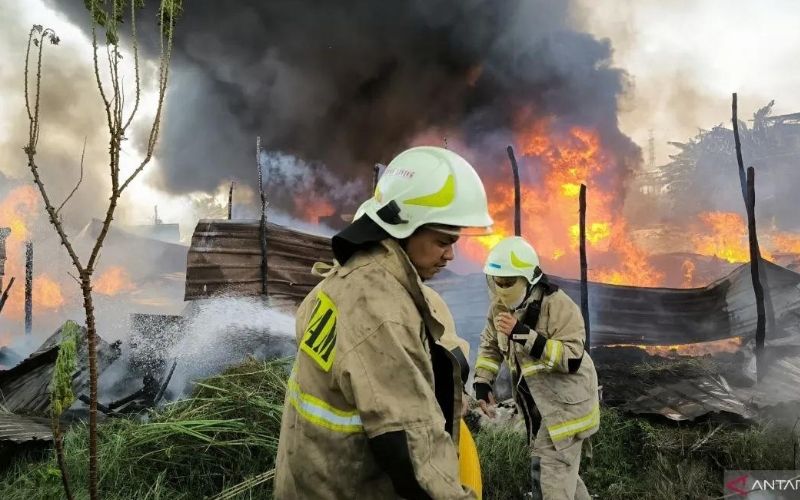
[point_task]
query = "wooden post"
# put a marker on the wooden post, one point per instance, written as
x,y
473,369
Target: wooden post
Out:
x,y
735,120
515,171
230,202
28,287
263,228
754,271
376,173
584,270
4,297
766,305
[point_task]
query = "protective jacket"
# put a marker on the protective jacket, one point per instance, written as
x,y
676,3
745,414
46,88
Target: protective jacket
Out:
x,y
373,401
546,351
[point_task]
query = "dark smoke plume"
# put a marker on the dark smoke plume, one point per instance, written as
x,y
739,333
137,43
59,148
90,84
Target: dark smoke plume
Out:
x,y
350,83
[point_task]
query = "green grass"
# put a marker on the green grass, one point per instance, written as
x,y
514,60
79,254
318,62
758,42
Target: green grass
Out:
x,y
226,434
634,458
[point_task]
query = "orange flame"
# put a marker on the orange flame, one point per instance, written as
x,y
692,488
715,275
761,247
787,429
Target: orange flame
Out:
x,y
728,345
47,293
724,236
564,160
786,243
548,208
17,211
113,281
312,207
19,206
634,267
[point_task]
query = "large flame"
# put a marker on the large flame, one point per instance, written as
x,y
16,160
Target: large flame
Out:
x,y
724,235
17,211
113,281
549,207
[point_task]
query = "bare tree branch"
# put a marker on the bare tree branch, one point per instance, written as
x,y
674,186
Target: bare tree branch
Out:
x,y
80,179
166,55
27,58
106,104
135,67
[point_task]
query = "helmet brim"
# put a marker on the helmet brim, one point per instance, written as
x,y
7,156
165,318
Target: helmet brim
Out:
x,y
461,231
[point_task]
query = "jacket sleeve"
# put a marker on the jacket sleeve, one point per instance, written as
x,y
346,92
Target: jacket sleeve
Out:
x,y
489,355
387,375
562,348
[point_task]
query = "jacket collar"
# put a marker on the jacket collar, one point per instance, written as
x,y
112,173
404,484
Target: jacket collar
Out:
x,y
390,255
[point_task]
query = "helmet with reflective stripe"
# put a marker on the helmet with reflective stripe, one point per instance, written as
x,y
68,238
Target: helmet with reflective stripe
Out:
x,y
428,185
513,256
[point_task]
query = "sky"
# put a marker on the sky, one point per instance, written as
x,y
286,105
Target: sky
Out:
x,y
686,57
683,59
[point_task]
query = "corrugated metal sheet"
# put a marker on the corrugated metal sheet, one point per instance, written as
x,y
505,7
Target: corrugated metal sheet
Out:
x,y
225,257
18,429
653,316
25,387
689,399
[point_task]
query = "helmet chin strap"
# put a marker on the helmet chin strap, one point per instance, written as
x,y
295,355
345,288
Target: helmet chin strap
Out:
x,y
390,214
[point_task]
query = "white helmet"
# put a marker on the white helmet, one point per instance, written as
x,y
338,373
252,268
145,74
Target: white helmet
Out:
x,y
513,256
427,185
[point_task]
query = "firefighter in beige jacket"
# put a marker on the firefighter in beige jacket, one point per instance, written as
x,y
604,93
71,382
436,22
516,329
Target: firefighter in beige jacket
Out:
x,y
374,398
539,332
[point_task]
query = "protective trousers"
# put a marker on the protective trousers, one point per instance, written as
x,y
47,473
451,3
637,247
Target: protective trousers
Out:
x,y
554,473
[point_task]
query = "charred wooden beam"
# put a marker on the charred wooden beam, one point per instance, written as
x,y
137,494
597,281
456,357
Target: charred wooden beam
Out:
x,y
230,202
584,269
766,305
4,297
376,173
166,382
735,120
28,287
517,212
263,227
755,258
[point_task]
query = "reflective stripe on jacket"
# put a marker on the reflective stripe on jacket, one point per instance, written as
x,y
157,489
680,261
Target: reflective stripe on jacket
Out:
x,y
374,400
560,375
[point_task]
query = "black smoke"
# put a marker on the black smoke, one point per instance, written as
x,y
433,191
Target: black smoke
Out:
x,y
350,83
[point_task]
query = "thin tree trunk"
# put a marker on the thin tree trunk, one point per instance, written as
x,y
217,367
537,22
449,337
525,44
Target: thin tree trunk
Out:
x,y
86,287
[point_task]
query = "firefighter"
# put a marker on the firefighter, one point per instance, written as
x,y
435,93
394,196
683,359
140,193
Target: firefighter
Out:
x,y
373,401
538,331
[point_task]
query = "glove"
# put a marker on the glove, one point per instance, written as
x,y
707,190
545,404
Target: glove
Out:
x,y
482,391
